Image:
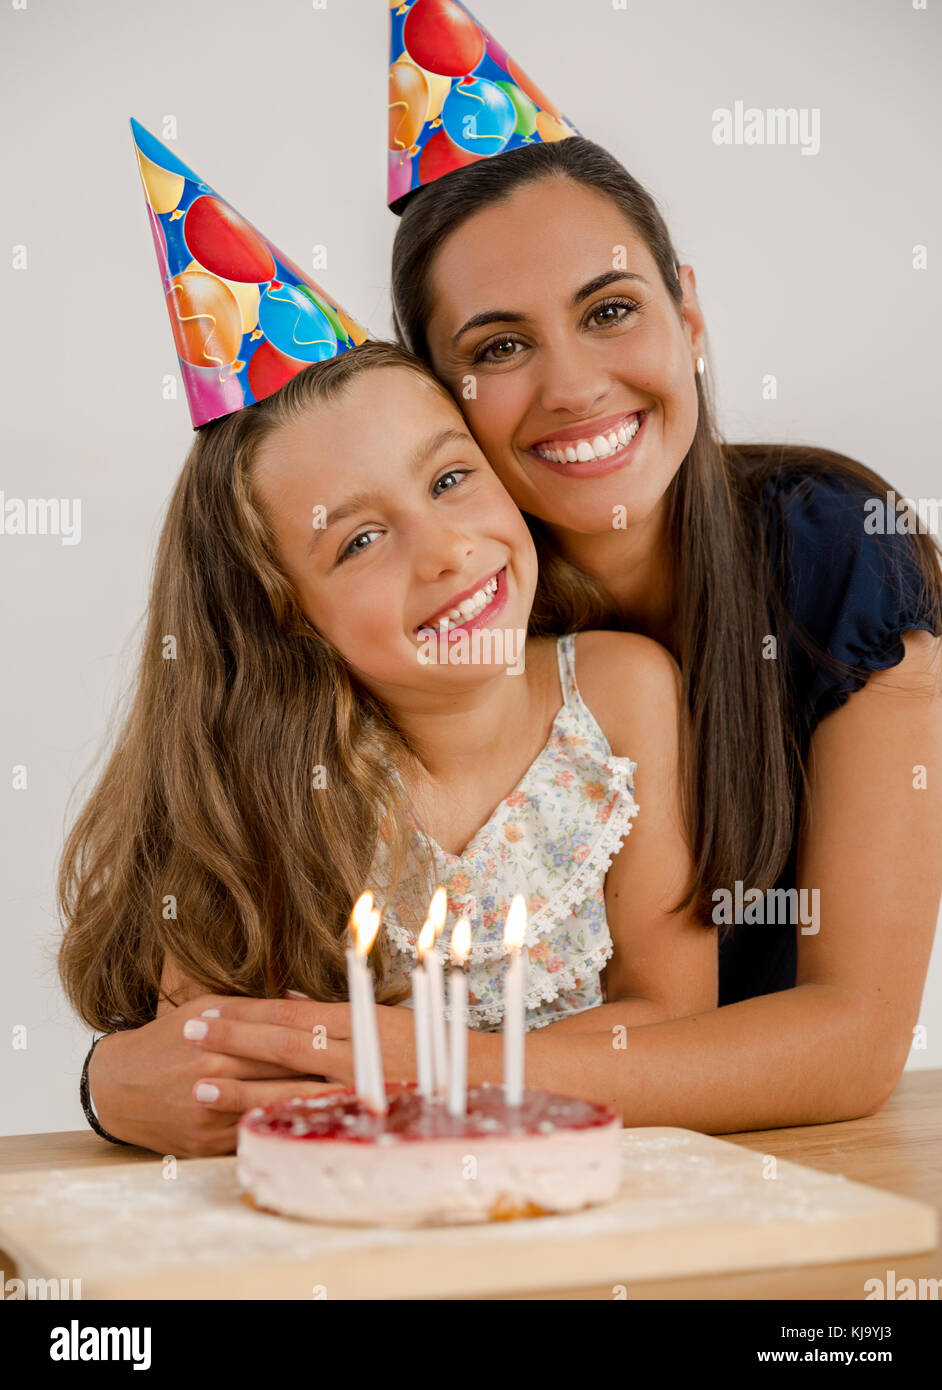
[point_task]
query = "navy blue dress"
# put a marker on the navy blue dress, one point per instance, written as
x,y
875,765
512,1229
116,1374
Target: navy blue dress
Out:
x,y
854,594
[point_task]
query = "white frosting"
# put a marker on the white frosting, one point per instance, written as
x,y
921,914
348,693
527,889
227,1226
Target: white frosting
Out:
x,y
429,1182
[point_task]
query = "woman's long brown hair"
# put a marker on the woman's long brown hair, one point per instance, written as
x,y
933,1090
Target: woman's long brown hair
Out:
x,y
251,781
741,764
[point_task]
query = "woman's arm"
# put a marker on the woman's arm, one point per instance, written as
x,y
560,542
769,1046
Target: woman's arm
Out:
x,y
143,1082
175,988
664,963
833,1047
830,1049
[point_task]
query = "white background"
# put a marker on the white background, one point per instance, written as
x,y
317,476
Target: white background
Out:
x,y
804,265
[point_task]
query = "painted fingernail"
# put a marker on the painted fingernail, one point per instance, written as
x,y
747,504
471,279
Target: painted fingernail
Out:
x,y
207,1091
195,1028
210,1013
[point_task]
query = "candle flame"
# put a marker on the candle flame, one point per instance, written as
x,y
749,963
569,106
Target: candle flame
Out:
x,y
515,929
438,911
364,923
461,940
426,938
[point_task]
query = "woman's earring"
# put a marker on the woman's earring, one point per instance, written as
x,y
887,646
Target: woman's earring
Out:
x,y
700,365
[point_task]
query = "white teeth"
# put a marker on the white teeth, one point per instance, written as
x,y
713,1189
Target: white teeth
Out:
x,y
468,608
601,446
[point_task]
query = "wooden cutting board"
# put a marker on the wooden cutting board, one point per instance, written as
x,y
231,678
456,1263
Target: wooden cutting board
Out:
x,y
689,1204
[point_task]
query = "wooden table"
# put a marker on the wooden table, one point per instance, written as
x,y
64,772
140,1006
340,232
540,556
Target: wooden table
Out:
x,y
899,1149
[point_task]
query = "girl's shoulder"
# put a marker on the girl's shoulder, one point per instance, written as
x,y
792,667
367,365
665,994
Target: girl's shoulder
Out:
x,y
629,683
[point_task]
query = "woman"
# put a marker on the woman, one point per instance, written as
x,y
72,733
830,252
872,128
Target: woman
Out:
x,y
543,288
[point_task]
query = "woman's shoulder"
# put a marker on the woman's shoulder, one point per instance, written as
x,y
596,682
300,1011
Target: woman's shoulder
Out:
x,y
812,490
798,473
846,559
825,513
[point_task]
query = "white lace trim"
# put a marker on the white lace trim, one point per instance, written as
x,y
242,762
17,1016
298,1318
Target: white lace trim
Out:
x,y
544,990
559,908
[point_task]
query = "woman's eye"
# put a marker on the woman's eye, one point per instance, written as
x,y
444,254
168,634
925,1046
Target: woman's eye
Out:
x,y
494,346
505,349
612,311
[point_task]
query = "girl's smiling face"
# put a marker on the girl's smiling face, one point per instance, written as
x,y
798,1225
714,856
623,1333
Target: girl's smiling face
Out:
x,y
387,517
583,364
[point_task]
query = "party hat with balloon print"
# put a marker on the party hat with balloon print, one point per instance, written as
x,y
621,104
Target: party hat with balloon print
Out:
x,y
245,319
455,97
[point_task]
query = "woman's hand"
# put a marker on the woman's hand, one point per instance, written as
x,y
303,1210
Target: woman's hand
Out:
x,y
144,1083
298,1036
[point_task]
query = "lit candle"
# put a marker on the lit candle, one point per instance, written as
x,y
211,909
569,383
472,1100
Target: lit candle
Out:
x,y
422,1013
458,1003
515,934
438,910
376,1093
367,1060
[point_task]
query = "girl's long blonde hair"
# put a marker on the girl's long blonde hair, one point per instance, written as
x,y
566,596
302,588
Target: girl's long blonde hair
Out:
x,y
252,780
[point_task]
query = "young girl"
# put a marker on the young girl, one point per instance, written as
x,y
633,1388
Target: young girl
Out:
x,y
304,729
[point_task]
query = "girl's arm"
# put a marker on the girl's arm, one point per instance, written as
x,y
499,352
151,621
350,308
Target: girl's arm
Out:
x,y
832,1048
664,963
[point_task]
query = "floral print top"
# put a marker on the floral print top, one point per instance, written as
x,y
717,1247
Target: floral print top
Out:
x,y
552,840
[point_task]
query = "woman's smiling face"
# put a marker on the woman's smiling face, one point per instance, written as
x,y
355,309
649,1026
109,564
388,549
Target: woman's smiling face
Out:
x,y
387,515
584,395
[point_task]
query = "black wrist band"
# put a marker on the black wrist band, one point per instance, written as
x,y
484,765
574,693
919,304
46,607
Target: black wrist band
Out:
x,y
86,1099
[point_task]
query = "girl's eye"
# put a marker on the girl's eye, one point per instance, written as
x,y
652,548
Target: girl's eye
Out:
x,y
452,473
607,308
482,354
354,548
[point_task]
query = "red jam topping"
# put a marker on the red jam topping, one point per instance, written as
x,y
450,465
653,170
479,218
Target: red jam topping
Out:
x,y
339,1115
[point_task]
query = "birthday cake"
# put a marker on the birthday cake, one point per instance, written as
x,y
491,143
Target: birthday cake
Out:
x,y
329,1158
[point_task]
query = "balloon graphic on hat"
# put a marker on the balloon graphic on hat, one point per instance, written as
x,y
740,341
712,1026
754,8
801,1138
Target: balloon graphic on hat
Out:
x,y
245,319
455,97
